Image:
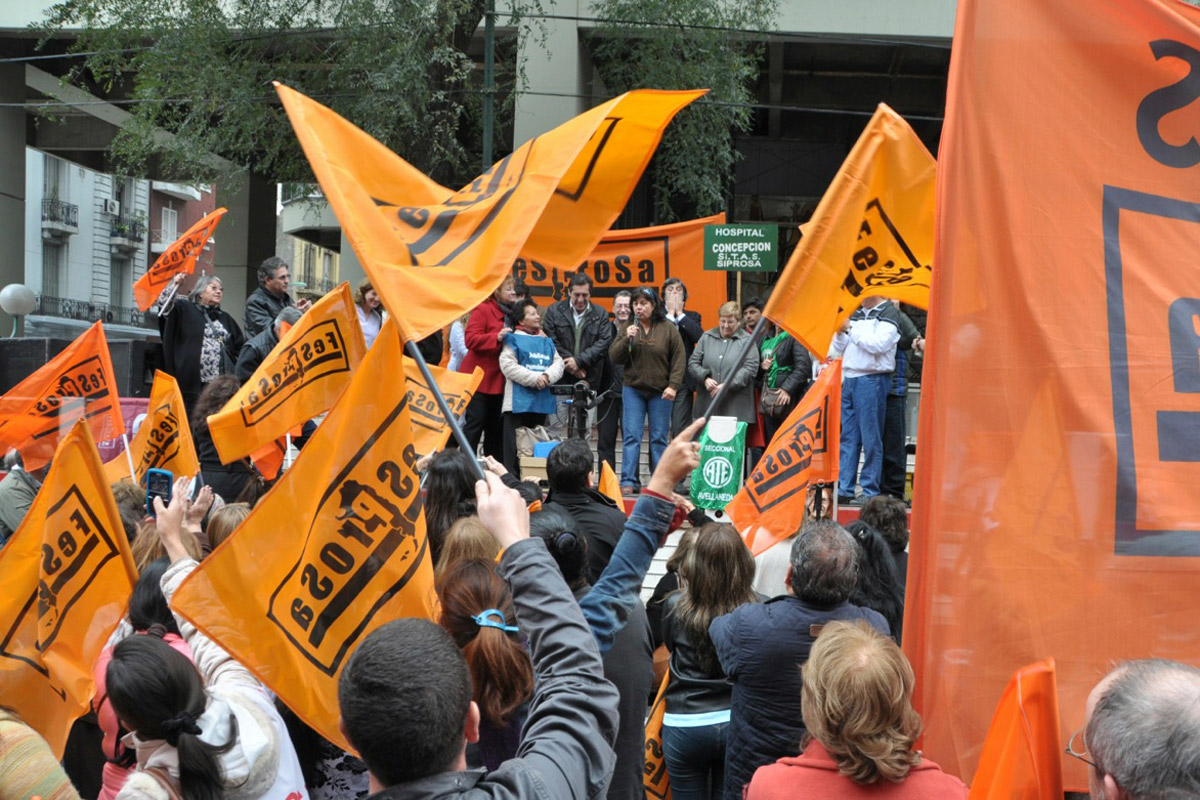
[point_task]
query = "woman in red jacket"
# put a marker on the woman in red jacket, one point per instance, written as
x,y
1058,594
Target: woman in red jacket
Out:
x,y
485,334
857,704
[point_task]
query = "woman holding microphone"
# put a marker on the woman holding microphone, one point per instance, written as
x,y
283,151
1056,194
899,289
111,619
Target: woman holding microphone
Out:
x,y
652,353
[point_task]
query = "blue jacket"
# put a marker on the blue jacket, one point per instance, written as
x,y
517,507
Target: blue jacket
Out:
x,y
761,647
535,354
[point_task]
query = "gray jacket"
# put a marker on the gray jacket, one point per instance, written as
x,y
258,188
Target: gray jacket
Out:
x,y
566,750
714,358
17,492
262,308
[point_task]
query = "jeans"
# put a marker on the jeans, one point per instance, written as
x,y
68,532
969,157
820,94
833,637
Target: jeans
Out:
x,y
695,760
637,406
864,407
895,456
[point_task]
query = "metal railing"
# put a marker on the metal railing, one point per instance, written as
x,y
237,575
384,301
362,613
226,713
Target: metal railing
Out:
x,y
60,212
131,228
66,308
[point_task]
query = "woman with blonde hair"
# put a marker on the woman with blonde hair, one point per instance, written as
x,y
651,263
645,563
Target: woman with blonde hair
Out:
x,y
862,728
715,577
713,364
467,540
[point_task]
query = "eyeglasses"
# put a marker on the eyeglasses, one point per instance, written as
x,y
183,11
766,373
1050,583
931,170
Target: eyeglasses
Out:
x,y
1080,751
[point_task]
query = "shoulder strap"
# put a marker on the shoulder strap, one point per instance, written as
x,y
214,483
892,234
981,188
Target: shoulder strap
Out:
x,y
164,780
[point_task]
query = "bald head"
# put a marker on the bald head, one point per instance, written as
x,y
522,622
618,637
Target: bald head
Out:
x,y
1143,731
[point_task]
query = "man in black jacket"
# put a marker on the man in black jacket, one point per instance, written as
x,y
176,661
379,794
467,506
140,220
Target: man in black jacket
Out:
x,y
581,333
255,351
264,303
571,477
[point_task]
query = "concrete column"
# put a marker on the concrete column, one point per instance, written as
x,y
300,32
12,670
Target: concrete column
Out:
x,y
349,267
12,181
245,238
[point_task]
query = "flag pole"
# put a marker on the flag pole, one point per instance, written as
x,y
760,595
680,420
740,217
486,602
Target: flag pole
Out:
x,y
752,341
129,457
414,352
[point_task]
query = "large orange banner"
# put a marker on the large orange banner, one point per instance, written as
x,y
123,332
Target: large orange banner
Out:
x,y
78,382
292,601
433,253
627,259
871,235
179,257
1056,511
301,378
770,507
164,440
65,580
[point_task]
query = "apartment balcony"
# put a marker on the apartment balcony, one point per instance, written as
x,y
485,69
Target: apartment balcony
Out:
x,y
86,311
179,191
127,235
59,220
307,215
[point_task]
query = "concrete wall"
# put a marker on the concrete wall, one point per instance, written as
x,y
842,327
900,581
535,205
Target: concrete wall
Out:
x,y
558,75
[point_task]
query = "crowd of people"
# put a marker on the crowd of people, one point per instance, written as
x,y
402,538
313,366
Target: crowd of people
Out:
x,y
783,674
536,677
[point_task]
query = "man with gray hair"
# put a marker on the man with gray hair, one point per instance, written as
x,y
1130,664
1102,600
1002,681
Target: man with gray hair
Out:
x,y
271,297
255,351
1141,740
761,647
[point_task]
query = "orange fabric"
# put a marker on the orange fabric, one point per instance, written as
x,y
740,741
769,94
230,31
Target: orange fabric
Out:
x,y
268,459
770,507
301,378
292,601
35,411
179,257
1055,510
1022,756
872,234
627,259
65,579
433,254
610,486
654,776
430,431
164,440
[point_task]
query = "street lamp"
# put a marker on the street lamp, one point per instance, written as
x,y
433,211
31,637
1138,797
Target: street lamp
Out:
x,y
17,299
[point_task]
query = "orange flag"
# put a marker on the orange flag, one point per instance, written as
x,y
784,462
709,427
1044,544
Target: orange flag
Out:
x,y
179,257
291,602
654,774
430,430
78,382
770,507
164,441
433,253
610,486
1022,756
631,257
301,378
872,234
65,579
1055,507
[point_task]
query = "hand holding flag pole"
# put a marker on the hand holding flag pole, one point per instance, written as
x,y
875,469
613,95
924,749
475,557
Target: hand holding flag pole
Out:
x,y
751,342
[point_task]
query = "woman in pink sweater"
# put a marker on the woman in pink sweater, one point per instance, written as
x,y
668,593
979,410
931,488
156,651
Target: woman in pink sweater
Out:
x,y
857,705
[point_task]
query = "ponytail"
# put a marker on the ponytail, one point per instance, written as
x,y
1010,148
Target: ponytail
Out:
x,y
477,613
158,692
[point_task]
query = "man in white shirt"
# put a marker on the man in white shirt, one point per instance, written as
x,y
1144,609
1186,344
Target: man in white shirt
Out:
x,y
867,343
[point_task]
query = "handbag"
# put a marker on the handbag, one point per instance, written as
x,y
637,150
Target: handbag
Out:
x,y
771,404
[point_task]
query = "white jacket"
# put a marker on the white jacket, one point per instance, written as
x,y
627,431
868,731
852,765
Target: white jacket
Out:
x,y
262,764
870,346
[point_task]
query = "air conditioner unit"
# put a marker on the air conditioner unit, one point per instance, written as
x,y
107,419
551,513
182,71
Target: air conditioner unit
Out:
x,y
112,207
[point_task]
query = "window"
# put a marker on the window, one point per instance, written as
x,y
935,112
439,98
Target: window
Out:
x,y
52,264
170,225
120,287
52,183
